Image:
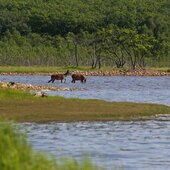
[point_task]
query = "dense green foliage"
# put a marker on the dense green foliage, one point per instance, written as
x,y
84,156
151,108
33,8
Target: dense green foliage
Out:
x,y
85,32
17,154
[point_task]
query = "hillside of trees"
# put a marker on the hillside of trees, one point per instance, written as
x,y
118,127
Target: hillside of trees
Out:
x,y
95,33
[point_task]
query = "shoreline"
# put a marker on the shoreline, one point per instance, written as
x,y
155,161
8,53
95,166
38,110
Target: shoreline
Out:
x,y
22,107
29,87
95,73
27,108
19,106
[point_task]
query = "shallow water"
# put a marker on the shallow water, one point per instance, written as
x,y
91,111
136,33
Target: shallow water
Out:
x,y
132,145
115,88
129,145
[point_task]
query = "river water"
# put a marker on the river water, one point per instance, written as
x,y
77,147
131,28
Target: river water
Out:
x,y
137,145
110,88
132,145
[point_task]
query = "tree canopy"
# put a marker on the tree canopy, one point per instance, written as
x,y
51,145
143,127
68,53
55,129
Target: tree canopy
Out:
x,y
55,32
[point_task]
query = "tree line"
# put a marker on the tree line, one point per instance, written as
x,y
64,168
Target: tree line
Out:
x,y
121,33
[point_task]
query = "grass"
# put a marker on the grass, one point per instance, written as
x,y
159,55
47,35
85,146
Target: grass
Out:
x,y
45,69
17,154
162,69
20,106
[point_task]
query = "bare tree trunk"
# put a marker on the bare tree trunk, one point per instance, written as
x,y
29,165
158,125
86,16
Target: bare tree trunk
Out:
x,y
122,59
132,58
119,61
95,64
92,61
142,61
133,61
99,62
76,54
94,55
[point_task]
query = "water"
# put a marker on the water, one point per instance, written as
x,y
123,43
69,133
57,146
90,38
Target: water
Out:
x,y
115,88
130,145
133,145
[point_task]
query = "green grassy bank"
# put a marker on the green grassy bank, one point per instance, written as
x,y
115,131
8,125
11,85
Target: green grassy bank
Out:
x,y
23,107
41,69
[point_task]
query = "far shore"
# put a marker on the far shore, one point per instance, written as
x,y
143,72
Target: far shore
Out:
x,y
106,71
96,73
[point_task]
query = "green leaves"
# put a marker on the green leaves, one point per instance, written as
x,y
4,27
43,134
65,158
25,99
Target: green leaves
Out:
x,y
140,26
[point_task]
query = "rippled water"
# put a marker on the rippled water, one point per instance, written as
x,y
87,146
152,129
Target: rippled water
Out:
x,y
115,88
130,145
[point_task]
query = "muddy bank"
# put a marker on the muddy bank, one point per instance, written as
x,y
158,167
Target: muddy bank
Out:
x,y
101,73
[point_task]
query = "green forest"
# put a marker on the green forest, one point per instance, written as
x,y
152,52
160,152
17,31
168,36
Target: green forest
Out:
x,y
94,33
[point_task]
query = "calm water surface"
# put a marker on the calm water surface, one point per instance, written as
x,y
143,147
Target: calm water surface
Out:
x,y
140,145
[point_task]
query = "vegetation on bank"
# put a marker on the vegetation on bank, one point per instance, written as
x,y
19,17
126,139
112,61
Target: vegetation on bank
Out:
x,y
44,69
17,105
17,154
121,33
